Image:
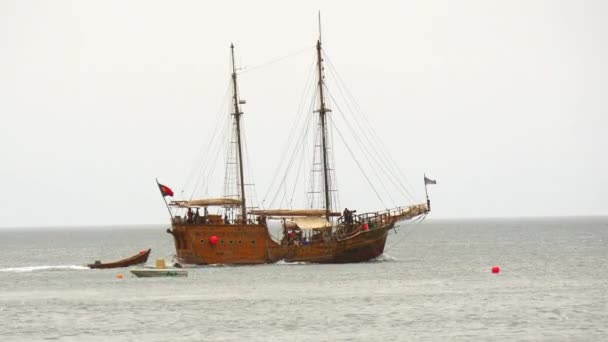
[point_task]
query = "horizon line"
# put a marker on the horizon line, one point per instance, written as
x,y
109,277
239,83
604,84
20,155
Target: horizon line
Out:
x,y
472,218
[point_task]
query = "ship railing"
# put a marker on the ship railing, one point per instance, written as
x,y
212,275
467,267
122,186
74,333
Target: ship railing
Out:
x,y
376,219
381,218
209,219
345,229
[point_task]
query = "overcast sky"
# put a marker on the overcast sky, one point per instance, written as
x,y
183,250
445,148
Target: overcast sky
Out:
x,y
503,102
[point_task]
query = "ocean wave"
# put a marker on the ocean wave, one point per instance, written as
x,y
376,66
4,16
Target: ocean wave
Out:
x,y
43,268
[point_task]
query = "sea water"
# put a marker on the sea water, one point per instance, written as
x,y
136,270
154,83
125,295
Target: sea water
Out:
x,y
434,283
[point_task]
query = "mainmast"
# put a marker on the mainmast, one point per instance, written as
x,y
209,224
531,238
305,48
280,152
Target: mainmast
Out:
x,y
322,111
237,117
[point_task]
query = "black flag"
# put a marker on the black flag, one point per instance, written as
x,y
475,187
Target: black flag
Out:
x,y
429,181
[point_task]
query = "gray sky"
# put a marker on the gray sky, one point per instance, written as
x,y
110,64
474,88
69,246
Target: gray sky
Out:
x,y
502,102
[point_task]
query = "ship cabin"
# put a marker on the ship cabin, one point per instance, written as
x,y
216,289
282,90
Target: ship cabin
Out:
x,y
225,211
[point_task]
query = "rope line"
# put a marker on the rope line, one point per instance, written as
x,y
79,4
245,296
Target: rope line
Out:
x,y
273,61
394,169
417,221
367,154
358,164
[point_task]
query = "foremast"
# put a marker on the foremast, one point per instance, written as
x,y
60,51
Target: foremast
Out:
x,y
322,117
237,117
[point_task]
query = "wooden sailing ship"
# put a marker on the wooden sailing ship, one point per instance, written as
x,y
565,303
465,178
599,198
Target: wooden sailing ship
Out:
x,y
237,234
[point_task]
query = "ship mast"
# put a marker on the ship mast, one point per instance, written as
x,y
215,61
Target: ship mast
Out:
x,y
322,111
237,117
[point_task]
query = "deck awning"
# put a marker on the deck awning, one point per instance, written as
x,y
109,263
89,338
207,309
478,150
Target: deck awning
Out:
x,y
206,202
292,212
311,222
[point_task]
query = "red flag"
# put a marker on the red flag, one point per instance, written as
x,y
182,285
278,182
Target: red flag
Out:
x,y
165,191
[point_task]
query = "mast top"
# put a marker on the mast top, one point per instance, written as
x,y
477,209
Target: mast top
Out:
x,y
233,65
319,42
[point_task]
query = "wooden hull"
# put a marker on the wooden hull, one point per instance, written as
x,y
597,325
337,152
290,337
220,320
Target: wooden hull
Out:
x,y
137,259
236,244
363,246
252,244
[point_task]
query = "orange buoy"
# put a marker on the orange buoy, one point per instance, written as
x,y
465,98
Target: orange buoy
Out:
x,y
119,276
213,240
495,269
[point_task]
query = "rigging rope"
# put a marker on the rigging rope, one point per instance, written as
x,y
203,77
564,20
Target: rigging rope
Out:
x,y
335,194
366,154
274,61
207,166
418,220
380,150
205,150
357,162
299,144
290,138
371,145
252,199
394,169
366,150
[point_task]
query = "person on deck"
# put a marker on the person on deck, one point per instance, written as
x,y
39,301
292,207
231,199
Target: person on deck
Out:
x,y
190,214
197,216
348,216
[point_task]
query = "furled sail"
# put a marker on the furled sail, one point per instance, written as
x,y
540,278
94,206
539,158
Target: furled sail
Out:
x,y
206,202
311,222
293,212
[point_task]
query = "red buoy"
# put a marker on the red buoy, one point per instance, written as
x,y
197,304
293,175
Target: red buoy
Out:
x,y
365,226
495,269
213,240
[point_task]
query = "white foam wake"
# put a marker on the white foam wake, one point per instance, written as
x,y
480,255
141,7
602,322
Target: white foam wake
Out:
x,y
43,268
283,262
384,257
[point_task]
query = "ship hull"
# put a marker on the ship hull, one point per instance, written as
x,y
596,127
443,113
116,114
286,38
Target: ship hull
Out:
x,y
252,244
361,247
235,245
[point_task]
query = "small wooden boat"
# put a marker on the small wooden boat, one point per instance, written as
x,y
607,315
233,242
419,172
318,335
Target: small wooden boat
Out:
x,y
136,259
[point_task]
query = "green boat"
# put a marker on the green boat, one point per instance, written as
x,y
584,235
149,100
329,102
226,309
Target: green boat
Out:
x,y
149,272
